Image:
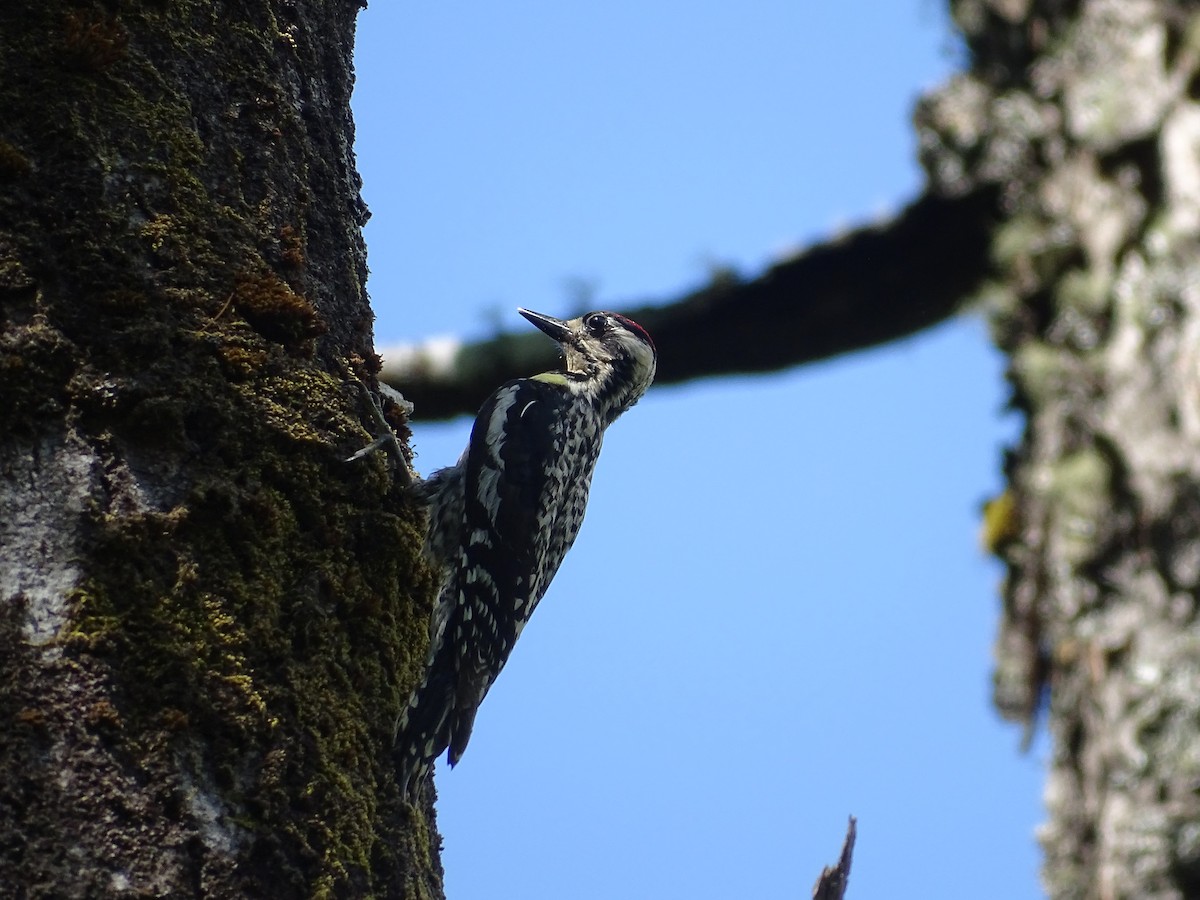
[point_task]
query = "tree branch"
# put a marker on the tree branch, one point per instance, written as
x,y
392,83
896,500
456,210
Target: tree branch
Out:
x,y
834,879
872,286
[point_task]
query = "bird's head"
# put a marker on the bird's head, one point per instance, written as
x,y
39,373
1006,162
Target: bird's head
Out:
x,y
606,355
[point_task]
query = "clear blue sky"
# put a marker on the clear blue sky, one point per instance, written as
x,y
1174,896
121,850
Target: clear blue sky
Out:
x,y
777,613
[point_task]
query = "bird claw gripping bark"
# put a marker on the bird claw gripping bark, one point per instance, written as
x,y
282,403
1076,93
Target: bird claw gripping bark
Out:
x,y
386,437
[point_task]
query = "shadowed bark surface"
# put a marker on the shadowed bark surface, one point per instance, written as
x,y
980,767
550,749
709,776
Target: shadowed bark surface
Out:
x,y
208,622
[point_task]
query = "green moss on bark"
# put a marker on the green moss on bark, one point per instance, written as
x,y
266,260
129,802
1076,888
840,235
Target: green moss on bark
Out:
x,y
181,294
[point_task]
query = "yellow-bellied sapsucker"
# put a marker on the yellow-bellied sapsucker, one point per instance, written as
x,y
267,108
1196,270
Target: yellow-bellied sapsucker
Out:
x,y
502,519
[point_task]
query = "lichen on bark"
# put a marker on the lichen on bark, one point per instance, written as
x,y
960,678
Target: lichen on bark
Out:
x,y
1085,116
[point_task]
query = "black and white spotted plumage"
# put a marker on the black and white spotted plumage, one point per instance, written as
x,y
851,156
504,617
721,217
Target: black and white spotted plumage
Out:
x,y
503,518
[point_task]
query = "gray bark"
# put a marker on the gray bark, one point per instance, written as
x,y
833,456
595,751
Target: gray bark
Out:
x,y
1084,115
207,621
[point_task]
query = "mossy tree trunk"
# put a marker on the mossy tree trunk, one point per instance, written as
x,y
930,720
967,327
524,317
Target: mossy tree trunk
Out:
x,y
1085,115
208,622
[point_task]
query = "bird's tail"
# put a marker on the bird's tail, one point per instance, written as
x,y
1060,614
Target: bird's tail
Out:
x,y
423,731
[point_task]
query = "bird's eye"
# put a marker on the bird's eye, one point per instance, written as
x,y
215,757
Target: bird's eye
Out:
x,y
595,323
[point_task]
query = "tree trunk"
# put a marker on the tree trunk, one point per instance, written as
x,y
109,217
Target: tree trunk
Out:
x,y
208,621
1084,114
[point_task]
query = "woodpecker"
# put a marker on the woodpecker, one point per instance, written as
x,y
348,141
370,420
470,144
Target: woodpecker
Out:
x,y
502,519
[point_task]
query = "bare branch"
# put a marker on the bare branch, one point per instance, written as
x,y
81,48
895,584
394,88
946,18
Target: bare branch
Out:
x,y
833,881
872,286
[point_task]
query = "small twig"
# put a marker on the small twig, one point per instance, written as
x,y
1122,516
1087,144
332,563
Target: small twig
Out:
x,y
832,883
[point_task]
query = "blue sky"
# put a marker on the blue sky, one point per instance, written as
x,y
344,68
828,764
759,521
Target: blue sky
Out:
x,y
777,613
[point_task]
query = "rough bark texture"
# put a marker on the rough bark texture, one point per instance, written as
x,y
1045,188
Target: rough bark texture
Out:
x,y
207,621
1085,115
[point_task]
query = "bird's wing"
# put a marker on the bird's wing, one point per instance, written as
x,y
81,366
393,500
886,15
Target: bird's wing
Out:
x,y
518,430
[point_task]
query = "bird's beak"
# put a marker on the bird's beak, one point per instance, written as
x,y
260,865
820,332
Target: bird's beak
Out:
x,y
556,328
